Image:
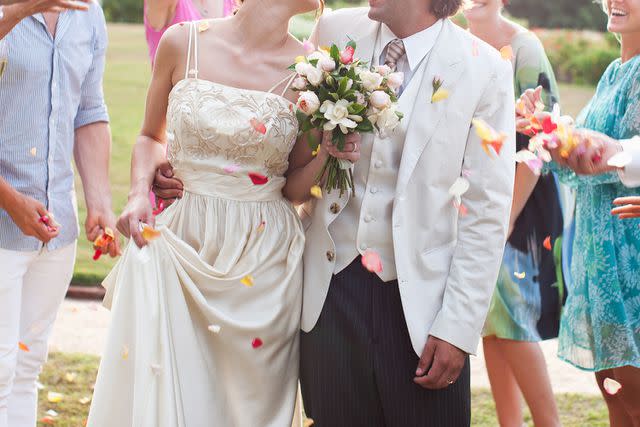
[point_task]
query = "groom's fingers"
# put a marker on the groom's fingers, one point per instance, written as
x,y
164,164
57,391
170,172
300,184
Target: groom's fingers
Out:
x,y
427,357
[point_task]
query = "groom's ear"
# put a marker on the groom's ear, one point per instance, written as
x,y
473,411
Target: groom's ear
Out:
x,y
442,9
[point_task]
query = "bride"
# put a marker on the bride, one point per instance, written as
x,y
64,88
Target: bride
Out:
x,y
206,307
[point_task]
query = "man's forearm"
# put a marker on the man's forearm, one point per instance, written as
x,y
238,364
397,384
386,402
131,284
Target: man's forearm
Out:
x,y
13,14
7,194
8,2
92,152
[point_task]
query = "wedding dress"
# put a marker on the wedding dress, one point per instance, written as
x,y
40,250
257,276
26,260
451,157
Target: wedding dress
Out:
x,y
205,319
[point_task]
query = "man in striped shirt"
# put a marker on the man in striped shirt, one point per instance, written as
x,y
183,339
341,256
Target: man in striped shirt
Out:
x,y
51,107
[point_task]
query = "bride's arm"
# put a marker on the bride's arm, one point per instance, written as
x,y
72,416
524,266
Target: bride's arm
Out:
x,y
304,167
149,149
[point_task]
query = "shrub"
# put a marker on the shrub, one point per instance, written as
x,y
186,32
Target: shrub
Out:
x,y
123,10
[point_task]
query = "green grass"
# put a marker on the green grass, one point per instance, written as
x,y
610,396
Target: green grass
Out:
x,y
125,84
575,410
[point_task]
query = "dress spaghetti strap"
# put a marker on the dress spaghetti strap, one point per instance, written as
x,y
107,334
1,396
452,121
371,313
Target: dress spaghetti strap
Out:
x,y
288,80
193,41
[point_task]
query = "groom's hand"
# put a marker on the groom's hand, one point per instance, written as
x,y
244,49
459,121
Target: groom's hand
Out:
x,y
165,186
440,364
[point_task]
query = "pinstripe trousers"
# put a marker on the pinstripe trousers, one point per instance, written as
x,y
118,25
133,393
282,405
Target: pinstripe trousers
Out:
x,y
358,364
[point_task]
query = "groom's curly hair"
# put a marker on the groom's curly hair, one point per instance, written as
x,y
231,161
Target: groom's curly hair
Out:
x,y
442,9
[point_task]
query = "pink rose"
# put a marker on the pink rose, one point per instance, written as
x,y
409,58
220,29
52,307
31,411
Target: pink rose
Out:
x,y
346,56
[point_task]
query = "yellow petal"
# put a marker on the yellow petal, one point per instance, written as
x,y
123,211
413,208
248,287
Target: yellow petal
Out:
x,y
261,226
125,352
440,95
84,400
247,281
316,192
34,151
314,153
483,130
520,275
506,53
203,26
54,397
149,233
70,377
300,59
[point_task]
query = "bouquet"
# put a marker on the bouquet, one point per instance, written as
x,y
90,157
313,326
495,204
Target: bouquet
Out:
x,y
341,94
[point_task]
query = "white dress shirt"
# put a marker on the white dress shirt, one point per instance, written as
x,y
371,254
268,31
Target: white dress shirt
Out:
x,y
366,223
630,175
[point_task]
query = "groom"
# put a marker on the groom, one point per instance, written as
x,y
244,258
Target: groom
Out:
x,y
391,349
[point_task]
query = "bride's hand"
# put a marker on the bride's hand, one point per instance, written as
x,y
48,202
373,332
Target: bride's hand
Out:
x,y
351,147
138,210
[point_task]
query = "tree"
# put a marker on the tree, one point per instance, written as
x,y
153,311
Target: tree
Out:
x,y
580,14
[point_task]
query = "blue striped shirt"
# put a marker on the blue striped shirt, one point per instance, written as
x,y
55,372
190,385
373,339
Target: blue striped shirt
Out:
x,y
51,87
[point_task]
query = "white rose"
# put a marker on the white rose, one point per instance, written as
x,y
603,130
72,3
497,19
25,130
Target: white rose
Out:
x,y
316,55
299,83
380,99
338,115
395,80
302,68
385,121
308,102
314,75
371,81
383,69
326,64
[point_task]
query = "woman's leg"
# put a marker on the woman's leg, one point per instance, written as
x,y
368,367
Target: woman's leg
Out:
x,y
618,416
530,371
504,387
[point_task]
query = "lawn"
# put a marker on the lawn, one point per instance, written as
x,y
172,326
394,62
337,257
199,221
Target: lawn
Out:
x,y
575,410
125,84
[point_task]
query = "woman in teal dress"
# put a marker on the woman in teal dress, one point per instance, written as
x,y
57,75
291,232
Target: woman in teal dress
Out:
x,y
600,328
526,305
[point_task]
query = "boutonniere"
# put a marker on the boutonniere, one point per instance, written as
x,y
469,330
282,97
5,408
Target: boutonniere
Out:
x,y
439,93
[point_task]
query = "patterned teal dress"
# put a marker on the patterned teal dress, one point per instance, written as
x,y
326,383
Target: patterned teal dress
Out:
x,y
600,326
528,308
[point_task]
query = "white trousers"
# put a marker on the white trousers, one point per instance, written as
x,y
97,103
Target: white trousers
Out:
x,y
32,287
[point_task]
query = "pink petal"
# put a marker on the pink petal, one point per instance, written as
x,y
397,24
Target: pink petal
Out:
x,y
231,168
611,386
256,343
371,261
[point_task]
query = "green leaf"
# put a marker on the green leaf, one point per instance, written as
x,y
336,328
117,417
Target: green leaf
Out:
x,y
365,126
342,88
335,96
335,53
314,62
356,108
338,139
292,67
352,44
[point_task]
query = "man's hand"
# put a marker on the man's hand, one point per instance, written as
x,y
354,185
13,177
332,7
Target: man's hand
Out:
x,y
26,213
629,207
95,226
165,186
440,364
32,7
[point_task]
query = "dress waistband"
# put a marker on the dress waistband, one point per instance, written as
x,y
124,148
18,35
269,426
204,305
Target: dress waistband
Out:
x,y
232,187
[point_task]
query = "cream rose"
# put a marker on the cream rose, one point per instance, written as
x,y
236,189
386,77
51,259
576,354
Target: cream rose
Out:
x,y
326,64
385,120
314,76
370,81
395,80
299,83
380,99
308,102
384,70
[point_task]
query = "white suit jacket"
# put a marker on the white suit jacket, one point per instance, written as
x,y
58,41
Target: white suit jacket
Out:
x,y
630,175
447,264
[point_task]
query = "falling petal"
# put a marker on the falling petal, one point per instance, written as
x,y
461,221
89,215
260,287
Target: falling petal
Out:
x,y
308,422
203,26
547,243
489,137
459,187
231,168
520,275
247,281
52,413
125,352
308,46
71,377
463,210
316,192
258,126
256,343
149,233
440,95
159,208
22,346
261,226
214,328
84,400
33,151
507,53
54,397
611,386
371,261
620,160
314,152
47,420
39,385
155,368
474,48
466,173
258,179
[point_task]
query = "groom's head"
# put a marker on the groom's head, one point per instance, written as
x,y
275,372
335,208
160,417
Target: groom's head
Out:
x,y
396,12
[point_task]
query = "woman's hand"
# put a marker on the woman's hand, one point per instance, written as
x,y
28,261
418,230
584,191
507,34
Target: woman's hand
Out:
x,y
137,211
629,207
526,107
351,150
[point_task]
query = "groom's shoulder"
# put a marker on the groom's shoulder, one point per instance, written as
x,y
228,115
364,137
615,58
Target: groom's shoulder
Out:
x,y
474,47
344,18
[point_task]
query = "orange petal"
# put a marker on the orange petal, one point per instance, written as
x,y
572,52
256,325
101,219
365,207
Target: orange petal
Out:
x,y
507,53
46,420
261,226
547,243
611,386
149,233
22,346
247,281
258,126
34,151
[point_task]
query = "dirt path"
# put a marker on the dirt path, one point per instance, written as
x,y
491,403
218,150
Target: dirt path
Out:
x,y
82,328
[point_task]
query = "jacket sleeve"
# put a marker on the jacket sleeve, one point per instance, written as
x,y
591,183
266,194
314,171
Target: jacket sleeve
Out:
x,y
482,232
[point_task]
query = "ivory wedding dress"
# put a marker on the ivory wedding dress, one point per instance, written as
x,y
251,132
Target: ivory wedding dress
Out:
x,y
205,319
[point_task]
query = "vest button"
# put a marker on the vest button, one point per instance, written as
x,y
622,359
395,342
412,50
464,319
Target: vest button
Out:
x,y
378,164
373,190
330,256
368,218
334,208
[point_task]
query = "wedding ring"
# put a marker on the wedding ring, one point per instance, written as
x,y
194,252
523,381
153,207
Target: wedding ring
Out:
x,y
355,147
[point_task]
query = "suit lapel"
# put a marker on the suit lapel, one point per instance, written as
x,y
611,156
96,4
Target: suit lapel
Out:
x,y
445,62
366,43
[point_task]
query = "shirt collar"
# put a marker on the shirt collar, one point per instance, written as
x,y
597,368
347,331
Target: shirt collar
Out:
x,y
417,45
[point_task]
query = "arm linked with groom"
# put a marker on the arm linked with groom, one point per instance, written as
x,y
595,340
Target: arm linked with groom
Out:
x,y
423,314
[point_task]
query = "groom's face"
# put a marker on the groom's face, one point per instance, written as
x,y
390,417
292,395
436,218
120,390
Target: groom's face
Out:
x,y
387,11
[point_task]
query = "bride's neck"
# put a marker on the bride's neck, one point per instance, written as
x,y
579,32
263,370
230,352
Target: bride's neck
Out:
x,y
263,23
